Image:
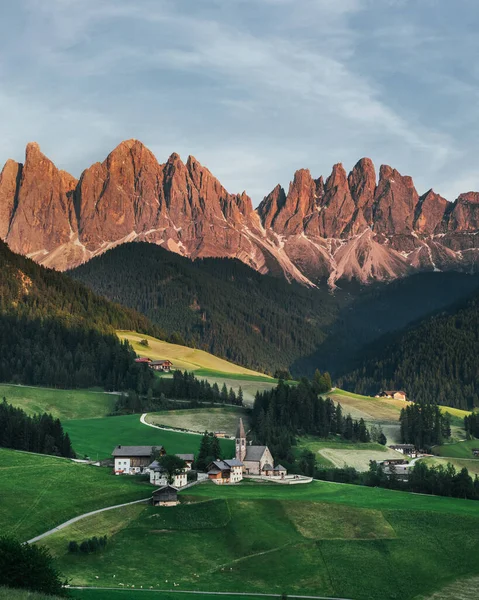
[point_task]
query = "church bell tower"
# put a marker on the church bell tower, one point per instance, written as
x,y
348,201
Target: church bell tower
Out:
x,y
240,441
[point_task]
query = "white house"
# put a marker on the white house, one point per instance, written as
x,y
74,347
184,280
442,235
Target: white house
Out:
x,y
159,476
134,460
226,471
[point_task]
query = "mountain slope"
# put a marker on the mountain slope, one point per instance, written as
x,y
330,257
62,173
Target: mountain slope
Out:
x,y
433,361
259,321
343,227
55,331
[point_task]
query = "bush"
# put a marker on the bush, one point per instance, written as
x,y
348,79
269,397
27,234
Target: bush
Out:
x,y
29,567
73,547
89,546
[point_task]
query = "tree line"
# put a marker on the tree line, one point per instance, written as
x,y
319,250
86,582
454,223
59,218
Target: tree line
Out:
x,y
286,411
182,386
424,425
471,424
439,480
435,361
39,433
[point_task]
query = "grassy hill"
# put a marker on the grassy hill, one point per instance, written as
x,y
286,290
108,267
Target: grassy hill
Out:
x,y
202,419
63,404
458,450
96,438
39,492
318,539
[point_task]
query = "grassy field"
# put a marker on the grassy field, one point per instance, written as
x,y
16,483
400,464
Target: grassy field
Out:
x,y
64,404
330,453
183,357
471,464
464,589
96,438
459,450
318,539
39,492
9,594
147,594
201,419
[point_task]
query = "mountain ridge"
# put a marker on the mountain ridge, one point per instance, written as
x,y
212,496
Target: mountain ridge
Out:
x,y
354,226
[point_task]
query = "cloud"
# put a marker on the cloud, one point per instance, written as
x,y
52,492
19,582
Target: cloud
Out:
x,y
254,90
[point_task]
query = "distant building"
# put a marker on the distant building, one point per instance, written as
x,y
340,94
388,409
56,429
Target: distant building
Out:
x,y
143,360
166,495
160,365
225,471
159,476
134,460
397,395
257,460
220,434
189,460
475,451
406,449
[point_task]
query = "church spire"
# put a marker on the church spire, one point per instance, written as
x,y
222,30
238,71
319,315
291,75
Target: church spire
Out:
x,y
240,441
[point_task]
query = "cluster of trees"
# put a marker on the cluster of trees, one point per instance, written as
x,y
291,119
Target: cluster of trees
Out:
x,y
55,331
40,433
46,352
209,450
219,305
435,361
424,425
438,480
280,414
88,546
471,424
29,567
182,386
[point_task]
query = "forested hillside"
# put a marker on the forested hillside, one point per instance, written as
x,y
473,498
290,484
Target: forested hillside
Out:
x,y
55,331
433,361
219,305
260,321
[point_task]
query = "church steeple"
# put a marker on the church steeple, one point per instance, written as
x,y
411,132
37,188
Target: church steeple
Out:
x,y
240,441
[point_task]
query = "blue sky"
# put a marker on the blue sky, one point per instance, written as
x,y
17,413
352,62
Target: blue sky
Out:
x,y
255,89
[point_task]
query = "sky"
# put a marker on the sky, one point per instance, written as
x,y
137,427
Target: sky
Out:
x,y
254,89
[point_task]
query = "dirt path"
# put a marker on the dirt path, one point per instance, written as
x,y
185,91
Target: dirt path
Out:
x,y
75,519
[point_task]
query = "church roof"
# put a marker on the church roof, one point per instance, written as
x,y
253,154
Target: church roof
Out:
x,y
255,453
240,433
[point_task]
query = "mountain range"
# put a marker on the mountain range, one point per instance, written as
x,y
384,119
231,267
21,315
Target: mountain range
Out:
x,y
354,226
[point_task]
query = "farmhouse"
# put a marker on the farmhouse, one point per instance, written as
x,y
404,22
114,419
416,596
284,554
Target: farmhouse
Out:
x,y
406,449
257,460
475,451
166,495
131,460
397,395
159,475
143,360
189,460
161,365
225,471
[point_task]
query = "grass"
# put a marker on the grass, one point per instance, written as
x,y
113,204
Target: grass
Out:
x,y
39,492
463,589
201,419
471,464
458,450
318,539
96,438
129,594
64,404
183,357
10,594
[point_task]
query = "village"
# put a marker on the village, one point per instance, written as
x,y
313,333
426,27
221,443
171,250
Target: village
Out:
x,y
252,461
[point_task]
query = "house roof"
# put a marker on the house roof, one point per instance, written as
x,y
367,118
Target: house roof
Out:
x,y
240,433
279,468
186,457
135,450
402,446
214,471
267,467
255,453
143,359
164,488
160,362
155,466
233,462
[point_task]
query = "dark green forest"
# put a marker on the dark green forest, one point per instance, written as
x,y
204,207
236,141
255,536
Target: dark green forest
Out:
x,y
57,332
424,425
434,361
40,433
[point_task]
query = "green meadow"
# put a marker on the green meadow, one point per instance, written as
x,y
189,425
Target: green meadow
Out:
x,y
97,438
64,404
39,492
458,450
318,539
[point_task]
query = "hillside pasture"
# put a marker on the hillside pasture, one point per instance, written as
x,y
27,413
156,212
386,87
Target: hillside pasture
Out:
x,y
97,438
201,419
39,492
63,404
182,357
317,539
471,464
459,450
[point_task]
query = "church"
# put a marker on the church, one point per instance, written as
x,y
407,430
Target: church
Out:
x,y
257,460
